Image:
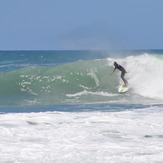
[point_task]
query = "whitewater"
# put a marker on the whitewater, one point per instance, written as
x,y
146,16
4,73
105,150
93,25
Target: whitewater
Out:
x,y
64,106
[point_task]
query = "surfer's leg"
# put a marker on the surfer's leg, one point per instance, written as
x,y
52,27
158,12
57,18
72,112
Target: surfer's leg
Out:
x,y
122,76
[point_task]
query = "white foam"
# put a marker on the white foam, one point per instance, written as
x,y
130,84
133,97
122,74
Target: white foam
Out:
x,y
85,92
129,136
145,74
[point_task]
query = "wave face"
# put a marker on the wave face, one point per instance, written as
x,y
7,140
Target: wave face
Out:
x,y
56,84
84,82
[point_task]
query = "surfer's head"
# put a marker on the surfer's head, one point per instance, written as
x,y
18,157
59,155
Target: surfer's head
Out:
x,y
115,63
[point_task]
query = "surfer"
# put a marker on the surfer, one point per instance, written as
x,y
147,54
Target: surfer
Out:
x,y
119,67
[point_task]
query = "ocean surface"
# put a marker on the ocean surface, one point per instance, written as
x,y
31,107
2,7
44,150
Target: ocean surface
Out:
x,y
64,107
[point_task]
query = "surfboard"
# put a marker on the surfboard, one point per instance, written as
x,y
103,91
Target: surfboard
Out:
x,y
122,89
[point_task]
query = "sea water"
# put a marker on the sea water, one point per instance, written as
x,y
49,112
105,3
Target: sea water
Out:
x,y
64,106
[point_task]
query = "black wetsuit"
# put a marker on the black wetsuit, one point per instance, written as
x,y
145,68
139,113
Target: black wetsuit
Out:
x,y
119,67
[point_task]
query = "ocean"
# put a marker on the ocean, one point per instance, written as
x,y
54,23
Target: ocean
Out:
x,y
64,107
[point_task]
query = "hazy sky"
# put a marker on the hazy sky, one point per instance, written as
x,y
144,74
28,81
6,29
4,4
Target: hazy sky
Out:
x,y
81,24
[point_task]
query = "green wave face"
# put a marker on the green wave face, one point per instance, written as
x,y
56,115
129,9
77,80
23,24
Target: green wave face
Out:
x,y
76,82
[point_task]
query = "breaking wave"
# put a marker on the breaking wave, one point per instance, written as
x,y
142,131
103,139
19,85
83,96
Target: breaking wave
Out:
x,y
84,82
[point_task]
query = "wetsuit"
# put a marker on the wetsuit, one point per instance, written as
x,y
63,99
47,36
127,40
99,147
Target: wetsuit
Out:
x,y
119,67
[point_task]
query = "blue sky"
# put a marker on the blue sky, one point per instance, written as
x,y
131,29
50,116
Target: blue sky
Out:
x,y
81,24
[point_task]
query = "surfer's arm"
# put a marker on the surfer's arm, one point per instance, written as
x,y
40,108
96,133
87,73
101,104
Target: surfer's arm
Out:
x,y
113,71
